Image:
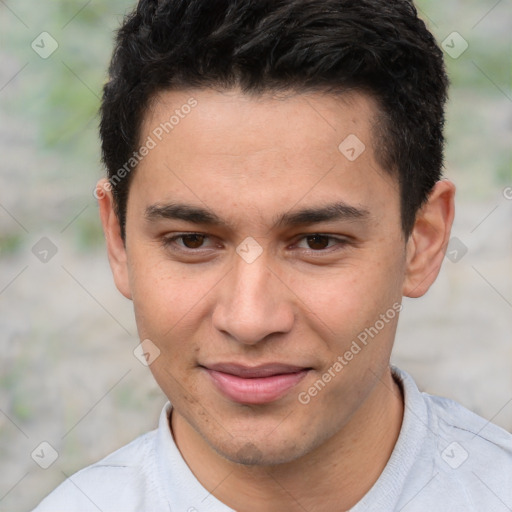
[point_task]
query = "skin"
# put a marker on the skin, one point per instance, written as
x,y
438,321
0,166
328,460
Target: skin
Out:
x,y
302,301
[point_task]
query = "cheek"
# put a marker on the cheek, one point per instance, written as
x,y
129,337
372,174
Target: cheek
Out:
x,y
344,301
166,303
171,302
161,294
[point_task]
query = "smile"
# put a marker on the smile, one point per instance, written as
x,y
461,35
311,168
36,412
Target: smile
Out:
x,y
255,385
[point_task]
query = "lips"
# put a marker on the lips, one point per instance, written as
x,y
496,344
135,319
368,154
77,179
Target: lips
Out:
x,y
255,384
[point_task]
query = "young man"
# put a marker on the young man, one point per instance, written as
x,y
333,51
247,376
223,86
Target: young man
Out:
x,y
274,191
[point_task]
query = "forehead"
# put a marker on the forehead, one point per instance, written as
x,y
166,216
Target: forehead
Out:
x,y
227,148
323,117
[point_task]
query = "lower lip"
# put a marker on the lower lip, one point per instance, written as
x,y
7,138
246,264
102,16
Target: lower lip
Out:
x,y
255,391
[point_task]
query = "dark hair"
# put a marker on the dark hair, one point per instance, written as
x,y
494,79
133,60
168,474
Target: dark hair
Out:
x,y
379,47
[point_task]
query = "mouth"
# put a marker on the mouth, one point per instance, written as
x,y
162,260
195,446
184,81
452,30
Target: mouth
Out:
x,y
255,384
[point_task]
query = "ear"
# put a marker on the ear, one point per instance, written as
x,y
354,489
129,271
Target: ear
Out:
x,y
429,239
115,245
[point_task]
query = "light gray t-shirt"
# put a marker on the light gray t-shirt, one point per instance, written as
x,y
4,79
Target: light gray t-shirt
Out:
x,y
446,459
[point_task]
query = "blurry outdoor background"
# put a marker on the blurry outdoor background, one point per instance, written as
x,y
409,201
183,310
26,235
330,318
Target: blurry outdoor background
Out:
x,y
68,376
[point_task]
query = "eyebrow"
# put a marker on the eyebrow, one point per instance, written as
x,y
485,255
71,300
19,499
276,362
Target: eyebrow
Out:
x,y
198,215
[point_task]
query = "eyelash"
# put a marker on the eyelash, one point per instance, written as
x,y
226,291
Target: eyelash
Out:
x,y
170,243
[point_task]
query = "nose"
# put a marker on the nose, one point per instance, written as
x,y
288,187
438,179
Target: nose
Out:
x,y
253,303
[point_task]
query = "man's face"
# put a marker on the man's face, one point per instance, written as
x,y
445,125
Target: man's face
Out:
x,y
284,296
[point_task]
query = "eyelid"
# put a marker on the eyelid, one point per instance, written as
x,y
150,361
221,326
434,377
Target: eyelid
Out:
x,y
342,241
169,240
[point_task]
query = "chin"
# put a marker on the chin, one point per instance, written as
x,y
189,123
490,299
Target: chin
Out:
x,y
260,452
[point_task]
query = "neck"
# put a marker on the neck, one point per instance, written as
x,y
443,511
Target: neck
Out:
x,y
333,477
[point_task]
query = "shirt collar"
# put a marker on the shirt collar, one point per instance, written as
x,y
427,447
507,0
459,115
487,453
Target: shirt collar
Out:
x,y
181,488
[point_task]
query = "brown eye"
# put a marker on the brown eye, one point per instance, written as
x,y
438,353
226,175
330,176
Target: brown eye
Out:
x,y
322,244
188,243
318,242
193,241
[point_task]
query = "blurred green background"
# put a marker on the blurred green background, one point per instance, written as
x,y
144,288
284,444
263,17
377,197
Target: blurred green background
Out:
x,y
67,373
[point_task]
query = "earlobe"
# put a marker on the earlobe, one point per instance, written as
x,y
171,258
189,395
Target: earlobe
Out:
x,y
427,244
115,245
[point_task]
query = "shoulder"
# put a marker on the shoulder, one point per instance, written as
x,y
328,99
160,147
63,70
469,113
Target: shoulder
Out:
x,y
119,482
453,427
449,458
479,438
472,454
